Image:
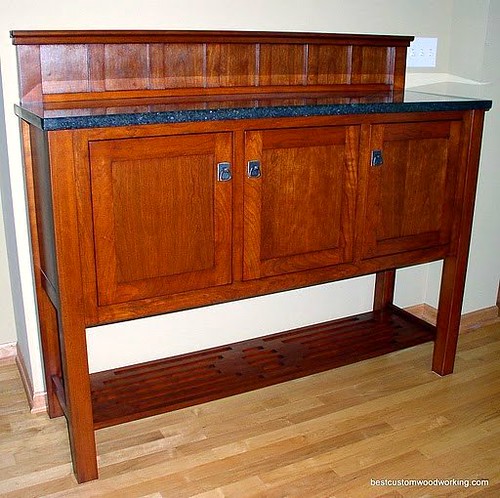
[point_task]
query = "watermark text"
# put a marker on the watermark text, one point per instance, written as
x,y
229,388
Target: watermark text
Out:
x,y
464,483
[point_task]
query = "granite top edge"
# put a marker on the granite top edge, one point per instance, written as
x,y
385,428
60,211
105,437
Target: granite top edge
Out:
x,y
238,113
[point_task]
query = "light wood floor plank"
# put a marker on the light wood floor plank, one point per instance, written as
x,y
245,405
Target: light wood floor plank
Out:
x,y
327,435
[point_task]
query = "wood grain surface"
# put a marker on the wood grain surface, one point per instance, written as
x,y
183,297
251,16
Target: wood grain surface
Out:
x,y
60,64
326,435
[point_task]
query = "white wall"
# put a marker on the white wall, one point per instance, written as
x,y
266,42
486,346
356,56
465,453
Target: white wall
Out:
x,y
7,320
198,328
474,64
481,62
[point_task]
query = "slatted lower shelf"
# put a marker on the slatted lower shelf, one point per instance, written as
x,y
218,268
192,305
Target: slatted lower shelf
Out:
x,y
129,393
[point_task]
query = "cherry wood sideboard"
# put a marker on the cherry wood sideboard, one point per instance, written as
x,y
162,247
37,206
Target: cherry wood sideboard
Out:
x,y
170,170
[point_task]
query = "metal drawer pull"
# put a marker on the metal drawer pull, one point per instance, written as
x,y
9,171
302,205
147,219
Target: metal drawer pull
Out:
x,y
224,173
253,169
377,158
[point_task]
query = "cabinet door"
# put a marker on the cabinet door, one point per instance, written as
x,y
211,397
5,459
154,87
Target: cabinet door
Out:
x,y
299,212
162,220
411,195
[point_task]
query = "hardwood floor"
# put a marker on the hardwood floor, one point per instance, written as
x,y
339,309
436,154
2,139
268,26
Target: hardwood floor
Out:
x,y
327,435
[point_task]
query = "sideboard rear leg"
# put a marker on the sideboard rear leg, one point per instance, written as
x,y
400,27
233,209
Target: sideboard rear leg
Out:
x,y
384,289
47,316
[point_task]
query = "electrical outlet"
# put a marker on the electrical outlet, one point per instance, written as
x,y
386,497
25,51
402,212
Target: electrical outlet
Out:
x,y
422,52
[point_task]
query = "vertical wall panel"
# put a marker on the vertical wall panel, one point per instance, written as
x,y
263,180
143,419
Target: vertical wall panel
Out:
x,y
329,64
231,65
60,77
123,60
282,64
373,65
96,68
183,63
157,65
30,78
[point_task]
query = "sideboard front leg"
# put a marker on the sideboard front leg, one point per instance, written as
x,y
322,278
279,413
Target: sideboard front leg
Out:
x,y
71,312
449,314
78,402
455,265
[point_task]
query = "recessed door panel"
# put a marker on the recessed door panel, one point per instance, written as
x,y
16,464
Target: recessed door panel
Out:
x,y
299,210
162,218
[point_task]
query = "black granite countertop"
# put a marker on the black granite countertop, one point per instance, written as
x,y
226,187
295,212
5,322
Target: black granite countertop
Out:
x,y
170,111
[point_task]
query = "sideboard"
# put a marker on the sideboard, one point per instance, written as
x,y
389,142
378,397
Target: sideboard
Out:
x,y
167,170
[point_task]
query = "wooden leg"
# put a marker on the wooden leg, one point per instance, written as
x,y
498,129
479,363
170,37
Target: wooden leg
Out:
x,y
71,309
47,317
78,401
455,265
449,313
384,289
63,359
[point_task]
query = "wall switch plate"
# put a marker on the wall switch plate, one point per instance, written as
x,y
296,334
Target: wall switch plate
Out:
x,y
422,52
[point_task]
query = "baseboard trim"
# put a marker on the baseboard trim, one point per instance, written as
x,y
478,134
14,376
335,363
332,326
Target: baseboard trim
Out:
x,y
469,321
8,353
36,400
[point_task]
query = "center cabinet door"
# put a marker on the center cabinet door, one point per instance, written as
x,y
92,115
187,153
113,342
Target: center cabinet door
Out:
x,y
299,199
162,218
